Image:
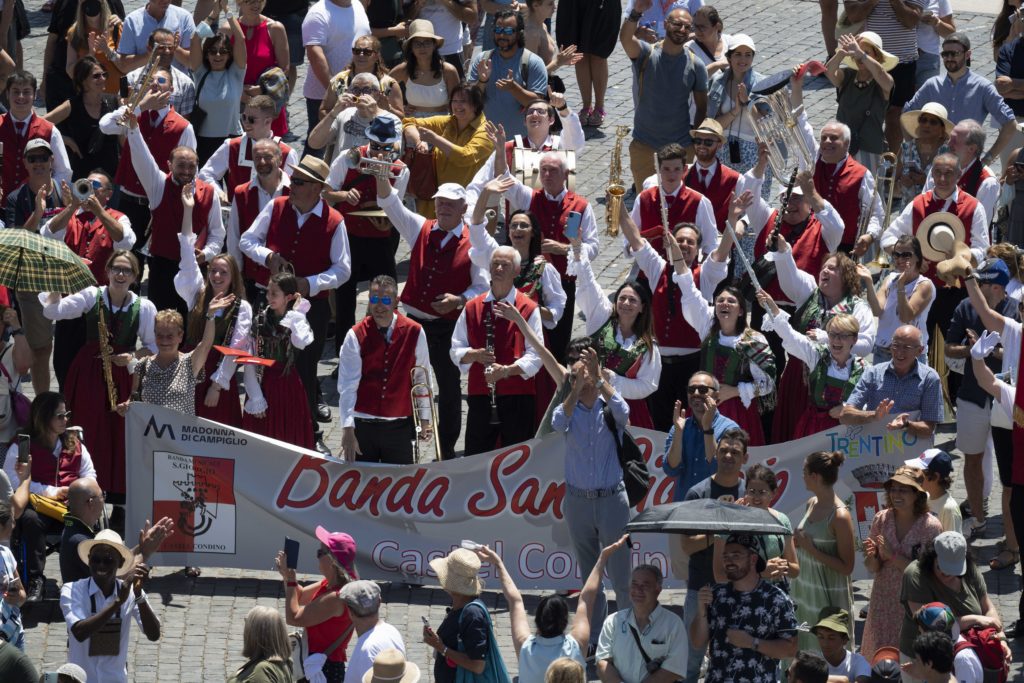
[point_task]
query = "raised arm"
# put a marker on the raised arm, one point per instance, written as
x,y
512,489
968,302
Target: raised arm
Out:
x,y
588,596
221,302
555,369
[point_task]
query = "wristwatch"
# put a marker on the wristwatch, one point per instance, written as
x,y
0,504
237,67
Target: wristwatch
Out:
x,y
709,431
599,384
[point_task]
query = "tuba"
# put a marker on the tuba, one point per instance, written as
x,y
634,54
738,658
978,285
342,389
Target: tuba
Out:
x,y
777,130
616,188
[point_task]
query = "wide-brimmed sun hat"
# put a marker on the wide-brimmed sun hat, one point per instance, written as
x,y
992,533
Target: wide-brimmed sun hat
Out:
x,y
909,119
459,572
112,539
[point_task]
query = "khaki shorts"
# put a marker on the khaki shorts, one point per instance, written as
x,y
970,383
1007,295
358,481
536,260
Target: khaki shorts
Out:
x,y
972,425
38,330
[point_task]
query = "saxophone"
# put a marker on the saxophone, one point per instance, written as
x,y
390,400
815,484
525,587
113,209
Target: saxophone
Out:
x,y
106,352
616,188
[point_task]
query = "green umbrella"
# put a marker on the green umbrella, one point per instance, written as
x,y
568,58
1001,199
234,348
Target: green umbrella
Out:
x,y
32,263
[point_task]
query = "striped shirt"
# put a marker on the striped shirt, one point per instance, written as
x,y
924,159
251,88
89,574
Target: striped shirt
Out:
x,y
897,38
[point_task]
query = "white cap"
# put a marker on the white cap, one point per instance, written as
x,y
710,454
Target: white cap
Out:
x,y
451,191
738,39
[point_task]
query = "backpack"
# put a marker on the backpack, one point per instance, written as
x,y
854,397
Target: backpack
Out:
x,y
524,64
989,650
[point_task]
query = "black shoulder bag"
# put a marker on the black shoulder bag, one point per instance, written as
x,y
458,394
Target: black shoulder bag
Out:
x,y
634,469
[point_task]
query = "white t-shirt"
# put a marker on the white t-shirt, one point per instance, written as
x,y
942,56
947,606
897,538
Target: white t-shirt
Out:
x,y
381,637
852,666
967,666
8,426
334,29
927,39
445,24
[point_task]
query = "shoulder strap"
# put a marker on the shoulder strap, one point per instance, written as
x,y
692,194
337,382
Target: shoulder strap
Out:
x,y
613,428
334,646
643,66
636,637
524,67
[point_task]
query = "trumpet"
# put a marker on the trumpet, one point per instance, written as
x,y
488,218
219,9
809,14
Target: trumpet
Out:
x,y
380,168
420,391
141,86
616,188
82,190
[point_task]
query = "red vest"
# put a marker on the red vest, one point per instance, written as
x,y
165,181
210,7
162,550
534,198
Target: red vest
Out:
x,y
552,216
434,271
247,203
681,209
386,380
166,221
90,240
160,141
14,173
924,206
670,327
360,226
240,175
309,249
968,183
809,250
842,190
55,472
720,186
509,344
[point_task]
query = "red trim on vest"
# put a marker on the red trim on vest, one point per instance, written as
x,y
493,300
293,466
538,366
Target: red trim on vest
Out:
x,y
166,220
842,190
91,241
160,141
385,383
309,249
433,272
247,203
552,216
722,185
240,175
964,210
509,345
14,173
55,472
809,251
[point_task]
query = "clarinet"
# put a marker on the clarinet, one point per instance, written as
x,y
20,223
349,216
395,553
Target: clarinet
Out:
x,y
773,239
489,329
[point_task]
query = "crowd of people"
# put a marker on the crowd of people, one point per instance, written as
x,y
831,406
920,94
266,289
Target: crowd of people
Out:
x,y
882,285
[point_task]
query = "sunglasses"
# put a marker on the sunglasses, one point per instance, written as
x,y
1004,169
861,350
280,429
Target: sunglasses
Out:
x,y
99,75
504,30
363,51
706,142
299,182
950,54
120,270
102,559
66,415
219,51
923,120
418,44
378,147
37,158
386,300
160,80
363,91
698,390
903,254
841,335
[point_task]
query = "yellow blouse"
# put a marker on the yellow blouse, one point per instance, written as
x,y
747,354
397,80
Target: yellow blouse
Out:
x,y
472,149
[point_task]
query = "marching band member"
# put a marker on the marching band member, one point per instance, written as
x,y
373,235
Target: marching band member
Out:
x,y
115,312
353,192
552,203
277,404
833,369
302,233
967,142
708,175
248,201
217,394
375,381
234,161
622,334
442,278
494,353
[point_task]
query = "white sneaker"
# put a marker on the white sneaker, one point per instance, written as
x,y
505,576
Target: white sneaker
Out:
x,y
973,528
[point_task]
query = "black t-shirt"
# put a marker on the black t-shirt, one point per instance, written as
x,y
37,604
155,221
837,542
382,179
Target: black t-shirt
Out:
x,y
701,564
71,566
277,9
384,13
473,631
966,318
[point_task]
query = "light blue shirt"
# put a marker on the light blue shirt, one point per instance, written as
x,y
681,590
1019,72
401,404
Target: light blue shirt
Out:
x,y
694,466
501,107
140,24
537,654
920,389
221,99
971,97
591,459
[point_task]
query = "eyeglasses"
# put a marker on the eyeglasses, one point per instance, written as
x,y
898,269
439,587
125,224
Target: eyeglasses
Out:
x,y
368,90
37,158
537,111
421,43
505,30
706,142
101,496
363,51
386,300
903,254
702,390
219,51
950,54
248,119
678,24
99,75
841,335
320,552
66,415
120,270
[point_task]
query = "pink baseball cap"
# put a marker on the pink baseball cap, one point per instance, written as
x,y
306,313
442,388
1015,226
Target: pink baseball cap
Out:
x,y
342,547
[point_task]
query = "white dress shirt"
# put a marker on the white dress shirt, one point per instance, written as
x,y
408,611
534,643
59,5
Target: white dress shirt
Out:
x,y
86,470
832,226
301,337
705,221
409,224
904,225
253,244
988,190
78,304
127,240
263,198
800,346
529,362
110,124
597,309
342,165
520,196
350,373
61,163
216,167
552,293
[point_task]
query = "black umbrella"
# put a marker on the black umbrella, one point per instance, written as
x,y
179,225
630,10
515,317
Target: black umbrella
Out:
x,y
706,517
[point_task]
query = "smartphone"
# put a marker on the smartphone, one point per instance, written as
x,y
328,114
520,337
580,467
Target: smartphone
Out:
x,y
426,622
572,225
51,677
24,444
291,553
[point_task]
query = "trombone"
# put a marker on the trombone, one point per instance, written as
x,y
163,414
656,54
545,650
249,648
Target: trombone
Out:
x,y
421,391
881,263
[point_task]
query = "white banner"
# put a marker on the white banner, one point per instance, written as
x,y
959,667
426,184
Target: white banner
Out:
x,y
234,496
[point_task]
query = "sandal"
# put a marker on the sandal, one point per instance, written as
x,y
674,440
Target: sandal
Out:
x,y
998,561
585,114
597,118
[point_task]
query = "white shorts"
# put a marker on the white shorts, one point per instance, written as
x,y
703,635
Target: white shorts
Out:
x,y
972,425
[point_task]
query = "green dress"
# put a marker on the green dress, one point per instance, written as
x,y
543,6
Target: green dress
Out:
x,y
818,585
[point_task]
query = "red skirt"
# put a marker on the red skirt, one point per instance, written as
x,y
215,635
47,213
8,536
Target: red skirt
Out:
x,y
228,410
812,421
749,419
86,393
639,415
287,417
792,399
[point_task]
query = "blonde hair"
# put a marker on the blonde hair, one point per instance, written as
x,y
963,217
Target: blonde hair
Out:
x,y
265,635
565,670
169,317
843,323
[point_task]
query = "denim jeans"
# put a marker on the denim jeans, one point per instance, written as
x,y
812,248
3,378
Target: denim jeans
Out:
x,y
695,656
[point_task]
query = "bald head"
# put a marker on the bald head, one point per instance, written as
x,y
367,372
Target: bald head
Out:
x,y
908,334
82,496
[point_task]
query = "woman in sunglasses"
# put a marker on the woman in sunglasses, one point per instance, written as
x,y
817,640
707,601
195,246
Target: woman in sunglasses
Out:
x,y
78,119
902,298
266,47
426,78
219,64
928,129
96,33
366,58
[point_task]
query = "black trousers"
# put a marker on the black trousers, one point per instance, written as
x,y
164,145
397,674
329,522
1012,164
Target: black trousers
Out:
x,y
559,337
370,257
68,338
31,529
449,387
137,210
161,286
306,360
775,342
675,376
516,413
386,441
941,315
1017,513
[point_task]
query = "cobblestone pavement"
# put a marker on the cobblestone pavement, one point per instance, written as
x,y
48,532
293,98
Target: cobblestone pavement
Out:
x,y
202,618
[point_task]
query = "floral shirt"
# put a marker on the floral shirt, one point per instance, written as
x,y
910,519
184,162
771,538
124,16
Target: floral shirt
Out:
x,y
766,613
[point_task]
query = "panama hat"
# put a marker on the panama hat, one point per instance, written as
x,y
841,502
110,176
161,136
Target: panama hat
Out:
x,y
390,666
423,28
886,59
312,169
111,538
937,234
909,119
458,572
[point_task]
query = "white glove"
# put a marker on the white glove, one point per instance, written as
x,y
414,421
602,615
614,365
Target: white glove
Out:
x,y
985,345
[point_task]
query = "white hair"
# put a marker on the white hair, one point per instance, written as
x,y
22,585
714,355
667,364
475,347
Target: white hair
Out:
x,y
842,127
512,253
563,163
368,78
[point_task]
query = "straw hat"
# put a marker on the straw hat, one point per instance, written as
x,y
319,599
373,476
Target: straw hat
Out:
x,y
938,233
312,169
423,28
390,666
458,572
909,119
886,59
709,126
112,539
